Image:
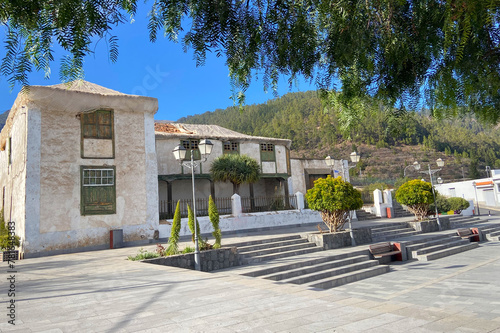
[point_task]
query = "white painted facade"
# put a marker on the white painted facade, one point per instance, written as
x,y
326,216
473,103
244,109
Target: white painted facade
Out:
x,y
486,191
171,173
41,187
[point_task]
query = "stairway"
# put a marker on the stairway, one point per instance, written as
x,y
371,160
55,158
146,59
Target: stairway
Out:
x,y
389,231
398,210
437,246
364,215
274,248
459,221
490,230
292,259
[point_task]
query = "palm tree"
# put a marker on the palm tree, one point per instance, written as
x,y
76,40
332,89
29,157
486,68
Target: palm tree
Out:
x,y
237,169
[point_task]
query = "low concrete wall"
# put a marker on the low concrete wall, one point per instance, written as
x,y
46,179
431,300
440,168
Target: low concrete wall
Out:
x,y
430,225
248,222
340,239
210,260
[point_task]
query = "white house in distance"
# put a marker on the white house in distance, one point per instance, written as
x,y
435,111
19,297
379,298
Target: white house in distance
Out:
x,y
78,160
485,191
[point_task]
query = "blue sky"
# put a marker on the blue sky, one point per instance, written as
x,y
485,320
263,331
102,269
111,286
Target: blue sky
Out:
x,y
161,70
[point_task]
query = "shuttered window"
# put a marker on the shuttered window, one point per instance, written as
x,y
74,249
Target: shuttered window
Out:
x,y
98,190
231,147
191,145
267,152
98,125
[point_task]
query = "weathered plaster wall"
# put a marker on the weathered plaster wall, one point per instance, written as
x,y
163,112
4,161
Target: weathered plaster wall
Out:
x,y
61,225
13,175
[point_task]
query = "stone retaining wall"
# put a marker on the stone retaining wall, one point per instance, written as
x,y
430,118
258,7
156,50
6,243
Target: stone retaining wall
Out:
x,y
210,260
340,239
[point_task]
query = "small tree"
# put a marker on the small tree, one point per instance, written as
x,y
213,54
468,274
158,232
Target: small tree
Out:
x,y
173,246
458,204
213,214
417,196
237,169
334,198
442,204
7,242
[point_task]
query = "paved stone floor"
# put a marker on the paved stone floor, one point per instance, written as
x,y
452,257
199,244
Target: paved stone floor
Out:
x,y
101,291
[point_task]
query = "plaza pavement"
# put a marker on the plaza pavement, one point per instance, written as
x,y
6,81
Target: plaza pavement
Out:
x,y
101,291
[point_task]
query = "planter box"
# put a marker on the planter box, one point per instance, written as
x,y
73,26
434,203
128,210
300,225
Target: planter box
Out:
x,y
210,260
430,225
340,239
9,255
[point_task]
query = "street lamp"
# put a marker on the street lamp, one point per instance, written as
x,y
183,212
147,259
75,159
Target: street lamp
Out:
x,y
477,202
430,172
205,148
415,166
355,157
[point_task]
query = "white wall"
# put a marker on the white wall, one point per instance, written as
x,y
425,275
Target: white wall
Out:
x,y
467,191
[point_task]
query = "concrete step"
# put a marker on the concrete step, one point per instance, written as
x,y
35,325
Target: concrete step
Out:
x,y
332,272
315,268
301,261
384,226
394,236
468,224
284,248
255,247
493,238
490,228
272,256
267,240
349,277
447,252
438,247
443,239
391,232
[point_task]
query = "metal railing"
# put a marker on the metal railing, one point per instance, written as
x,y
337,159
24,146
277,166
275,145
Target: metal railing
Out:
x,y
266,204
248,205
167,207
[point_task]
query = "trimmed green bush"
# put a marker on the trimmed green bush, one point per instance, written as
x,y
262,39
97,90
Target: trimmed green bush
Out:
x,y
7,242
458,204
173,241
442,204
334,198
213,214
417,196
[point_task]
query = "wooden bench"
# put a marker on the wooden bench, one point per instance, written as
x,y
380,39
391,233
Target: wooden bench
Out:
x,y
385,250
471,235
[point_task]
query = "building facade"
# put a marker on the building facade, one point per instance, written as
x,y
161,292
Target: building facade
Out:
x,y
78,160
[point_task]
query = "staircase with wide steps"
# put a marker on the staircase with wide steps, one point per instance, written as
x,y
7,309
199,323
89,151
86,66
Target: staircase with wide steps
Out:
x,y
273,259
390,231
274,248
398,210
490,230
365,216
437,246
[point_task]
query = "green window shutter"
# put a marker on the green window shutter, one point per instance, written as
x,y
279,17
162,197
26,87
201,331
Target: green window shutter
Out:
x,y
98,190
267,152
98,125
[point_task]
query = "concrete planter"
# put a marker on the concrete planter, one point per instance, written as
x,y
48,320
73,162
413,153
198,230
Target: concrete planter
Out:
x,y
340,239
210,260
430,225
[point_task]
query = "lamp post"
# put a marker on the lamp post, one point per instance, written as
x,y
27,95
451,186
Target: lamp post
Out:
x,y
205,147
477,201
355,157
415,166
430,172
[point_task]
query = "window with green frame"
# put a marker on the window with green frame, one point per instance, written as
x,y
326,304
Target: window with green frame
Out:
x,y
231,147
97,124
98,191
191,145
267,152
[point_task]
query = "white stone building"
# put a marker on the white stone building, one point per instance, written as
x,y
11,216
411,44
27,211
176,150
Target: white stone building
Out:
x,y
273,155
77,161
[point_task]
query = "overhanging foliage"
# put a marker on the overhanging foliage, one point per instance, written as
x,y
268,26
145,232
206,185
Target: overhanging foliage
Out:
x,y
443,52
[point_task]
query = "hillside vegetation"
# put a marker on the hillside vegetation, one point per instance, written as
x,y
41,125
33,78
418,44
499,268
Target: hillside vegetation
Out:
x,y
387,143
